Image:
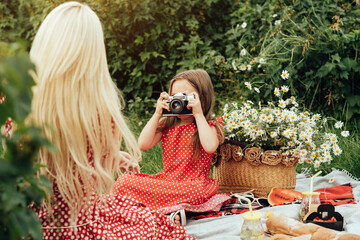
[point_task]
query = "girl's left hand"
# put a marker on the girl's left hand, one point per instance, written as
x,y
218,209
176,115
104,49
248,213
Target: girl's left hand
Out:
x,y
195,104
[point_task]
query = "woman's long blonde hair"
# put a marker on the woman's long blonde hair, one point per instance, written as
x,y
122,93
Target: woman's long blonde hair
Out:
x,y
76,97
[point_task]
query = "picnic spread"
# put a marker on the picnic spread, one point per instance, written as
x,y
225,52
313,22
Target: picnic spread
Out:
x,y
338,190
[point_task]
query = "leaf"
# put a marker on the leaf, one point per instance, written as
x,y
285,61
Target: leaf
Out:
x,y
336,57
325,69
349,63
144,56
344,75
353,100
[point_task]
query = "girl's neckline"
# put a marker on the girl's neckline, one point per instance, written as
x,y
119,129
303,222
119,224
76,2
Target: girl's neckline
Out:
x,y
181,125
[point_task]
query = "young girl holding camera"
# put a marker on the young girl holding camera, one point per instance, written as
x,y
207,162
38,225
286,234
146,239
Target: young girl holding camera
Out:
x,y
188,144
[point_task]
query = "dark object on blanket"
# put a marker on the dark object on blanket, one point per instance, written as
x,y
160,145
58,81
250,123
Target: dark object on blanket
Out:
x,y
325,217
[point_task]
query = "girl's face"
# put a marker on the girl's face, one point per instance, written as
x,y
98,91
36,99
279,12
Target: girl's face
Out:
x,y
183,86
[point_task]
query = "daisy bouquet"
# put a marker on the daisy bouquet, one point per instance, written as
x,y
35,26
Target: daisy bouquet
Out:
x,y
281,125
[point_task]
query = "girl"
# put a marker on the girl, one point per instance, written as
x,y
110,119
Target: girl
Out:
x,y
76,97
188,144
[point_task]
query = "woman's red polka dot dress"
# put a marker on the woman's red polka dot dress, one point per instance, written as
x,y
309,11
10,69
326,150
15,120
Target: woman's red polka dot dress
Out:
x,y
106,217
183,180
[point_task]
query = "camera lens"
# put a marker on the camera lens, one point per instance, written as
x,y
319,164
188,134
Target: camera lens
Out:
x,y
176,106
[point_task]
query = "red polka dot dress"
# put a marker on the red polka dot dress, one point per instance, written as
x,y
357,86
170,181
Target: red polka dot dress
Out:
x,y
106,217
117,218
184,183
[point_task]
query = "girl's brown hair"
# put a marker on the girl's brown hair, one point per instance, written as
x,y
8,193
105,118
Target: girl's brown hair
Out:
x,y
201,81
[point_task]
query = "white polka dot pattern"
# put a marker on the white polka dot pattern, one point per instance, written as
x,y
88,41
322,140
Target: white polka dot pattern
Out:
x,y
106,217
118,218
183,182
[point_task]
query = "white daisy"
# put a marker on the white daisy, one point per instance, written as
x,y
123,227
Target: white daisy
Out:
x,y
244,25
277,92
248,85
345,133
284,89
326,146
282,103
316,164
337,151
339,124
261,61
273,134
303,152
243,52
285,74
277,22
233,65
243,67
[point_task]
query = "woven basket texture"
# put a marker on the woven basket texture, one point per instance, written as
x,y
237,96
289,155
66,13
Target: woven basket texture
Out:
x,y
238,171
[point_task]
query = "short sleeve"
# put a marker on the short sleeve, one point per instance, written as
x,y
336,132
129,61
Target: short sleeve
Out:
x,y
213,122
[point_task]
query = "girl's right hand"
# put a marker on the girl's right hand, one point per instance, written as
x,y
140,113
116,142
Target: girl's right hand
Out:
x,y
128,164
161,104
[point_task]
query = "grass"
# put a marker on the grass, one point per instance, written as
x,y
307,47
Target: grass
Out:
x,y
151,159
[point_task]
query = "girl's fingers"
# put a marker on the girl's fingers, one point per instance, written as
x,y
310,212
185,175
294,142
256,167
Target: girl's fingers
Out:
x,y
164,95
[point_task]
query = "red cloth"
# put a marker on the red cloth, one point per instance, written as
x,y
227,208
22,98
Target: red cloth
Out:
x,y
337,195
183,179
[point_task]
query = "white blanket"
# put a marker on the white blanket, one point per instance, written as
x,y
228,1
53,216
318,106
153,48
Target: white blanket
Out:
x,y
228,227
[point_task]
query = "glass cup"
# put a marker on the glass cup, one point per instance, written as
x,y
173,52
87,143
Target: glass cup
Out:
x,y
252,228
309,203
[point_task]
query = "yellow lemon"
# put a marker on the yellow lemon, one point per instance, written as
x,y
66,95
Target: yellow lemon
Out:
x,y
269,214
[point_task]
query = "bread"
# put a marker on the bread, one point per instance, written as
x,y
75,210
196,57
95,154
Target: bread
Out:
x,y
284,228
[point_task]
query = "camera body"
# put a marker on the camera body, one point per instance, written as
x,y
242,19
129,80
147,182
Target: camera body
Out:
x,y
177,105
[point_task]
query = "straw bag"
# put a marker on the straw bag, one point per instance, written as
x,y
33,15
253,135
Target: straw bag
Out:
x,y
240,169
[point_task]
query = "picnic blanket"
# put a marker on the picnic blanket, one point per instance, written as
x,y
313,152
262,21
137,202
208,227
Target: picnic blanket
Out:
x,y
228,227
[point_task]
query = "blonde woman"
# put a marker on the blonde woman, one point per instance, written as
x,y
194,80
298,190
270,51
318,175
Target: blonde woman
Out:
x,y
77,103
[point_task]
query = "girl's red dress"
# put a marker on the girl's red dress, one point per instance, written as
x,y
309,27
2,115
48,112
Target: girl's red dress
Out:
x,y
184,182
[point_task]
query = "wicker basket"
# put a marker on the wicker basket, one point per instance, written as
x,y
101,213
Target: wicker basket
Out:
x,y
239,171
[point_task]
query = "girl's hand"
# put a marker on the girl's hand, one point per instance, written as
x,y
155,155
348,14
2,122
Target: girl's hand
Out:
x,y
161,104
128,163
195,104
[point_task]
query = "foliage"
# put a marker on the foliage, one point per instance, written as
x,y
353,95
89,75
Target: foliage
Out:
x,y
282,126
19,186
147,41
315,41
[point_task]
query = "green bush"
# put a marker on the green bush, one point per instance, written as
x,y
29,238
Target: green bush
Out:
x,y
19,186
317,42
147,41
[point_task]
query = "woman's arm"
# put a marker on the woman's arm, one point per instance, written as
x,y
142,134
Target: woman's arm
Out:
x,y
149,137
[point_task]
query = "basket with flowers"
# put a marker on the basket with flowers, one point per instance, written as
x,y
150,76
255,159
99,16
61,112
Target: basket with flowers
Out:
x,y
264,142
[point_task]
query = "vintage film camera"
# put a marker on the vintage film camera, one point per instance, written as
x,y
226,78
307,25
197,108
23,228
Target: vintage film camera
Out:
x,y
177,105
